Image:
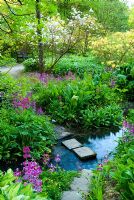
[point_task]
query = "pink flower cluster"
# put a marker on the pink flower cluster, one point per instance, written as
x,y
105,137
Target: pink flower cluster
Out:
x,y
70,76
26,103
30,173
51,166
45,77
23,103
26,152
128,126
32,170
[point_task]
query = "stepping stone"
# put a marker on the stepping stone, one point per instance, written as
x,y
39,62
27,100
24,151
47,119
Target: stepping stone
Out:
x,y
84,153
86,173
71,195
64,135
71,144
83,182
80,184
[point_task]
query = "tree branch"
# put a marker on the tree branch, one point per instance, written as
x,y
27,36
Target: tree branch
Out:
x,y
7,24
10,9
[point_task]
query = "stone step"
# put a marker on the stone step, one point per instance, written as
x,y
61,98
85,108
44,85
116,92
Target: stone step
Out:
x,y
71,195
84,153
64,135
80,187
71,144
81,184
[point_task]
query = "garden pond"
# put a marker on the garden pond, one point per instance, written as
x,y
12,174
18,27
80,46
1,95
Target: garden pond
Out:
x,y
102,141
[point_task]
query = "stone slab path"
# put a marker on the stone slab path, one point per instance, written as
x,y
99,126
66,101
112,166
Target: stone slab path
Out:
x,y
84,153
79,187
71,144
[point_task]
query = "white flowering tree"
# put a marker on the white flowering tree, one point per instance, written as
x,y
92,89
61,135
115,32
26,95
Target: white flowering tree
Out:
x,y
61,36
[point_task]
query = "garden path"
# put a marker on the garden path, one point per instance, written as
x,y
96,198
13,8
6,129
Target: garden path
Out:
x,y
80,187
15,71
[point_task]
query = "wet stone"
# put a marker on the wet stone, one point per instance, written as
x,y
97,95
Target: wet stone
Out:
x,y
64,135
84,153
71,144
71,195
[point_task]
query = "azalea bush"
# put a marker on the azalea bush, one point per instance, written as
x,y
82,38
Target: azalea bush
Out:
x,y
60,36
115,49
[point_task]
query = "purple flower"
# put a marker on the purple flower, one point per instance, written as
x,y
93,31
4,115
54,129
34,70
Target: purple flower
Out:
x,y
132,129
39,111
113,83
52,167
26,149
100,165
57,158
17,172
26,156
99,168
125,124
106,161
31,171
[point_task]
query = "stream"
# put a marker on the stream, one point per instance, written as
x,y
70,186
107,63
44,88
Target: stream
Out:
x,y
102,141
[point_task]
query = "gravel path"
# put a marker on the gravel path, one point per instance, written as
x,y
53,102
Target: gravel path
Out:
x,y
15,71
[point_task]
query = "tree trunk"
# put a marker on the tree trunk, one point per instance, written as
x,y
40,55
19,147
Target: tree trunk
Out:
x,y
86,42
39,35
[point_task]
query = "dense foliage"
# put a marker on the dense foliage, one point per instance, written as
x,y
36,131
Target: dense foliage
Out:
x,y
23,128
87,102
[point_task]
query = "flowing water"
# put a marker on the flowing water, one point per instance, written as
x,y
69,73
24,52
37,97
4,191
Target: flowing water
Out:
x,y
103,142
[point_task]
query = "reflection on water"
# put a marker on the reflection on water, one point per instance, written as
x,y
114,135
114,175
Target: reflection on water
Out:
x,y
103,142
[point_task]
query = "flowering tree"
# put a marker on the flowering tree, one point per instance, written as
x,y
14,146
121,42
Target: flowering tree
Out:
x,y
60,36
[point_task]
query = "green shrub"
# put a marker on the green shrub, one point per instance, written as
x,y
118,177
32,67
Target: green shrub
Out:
x,y
24,128
110,115
77,65
30,65
66,101
9,190
7,61
125,80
